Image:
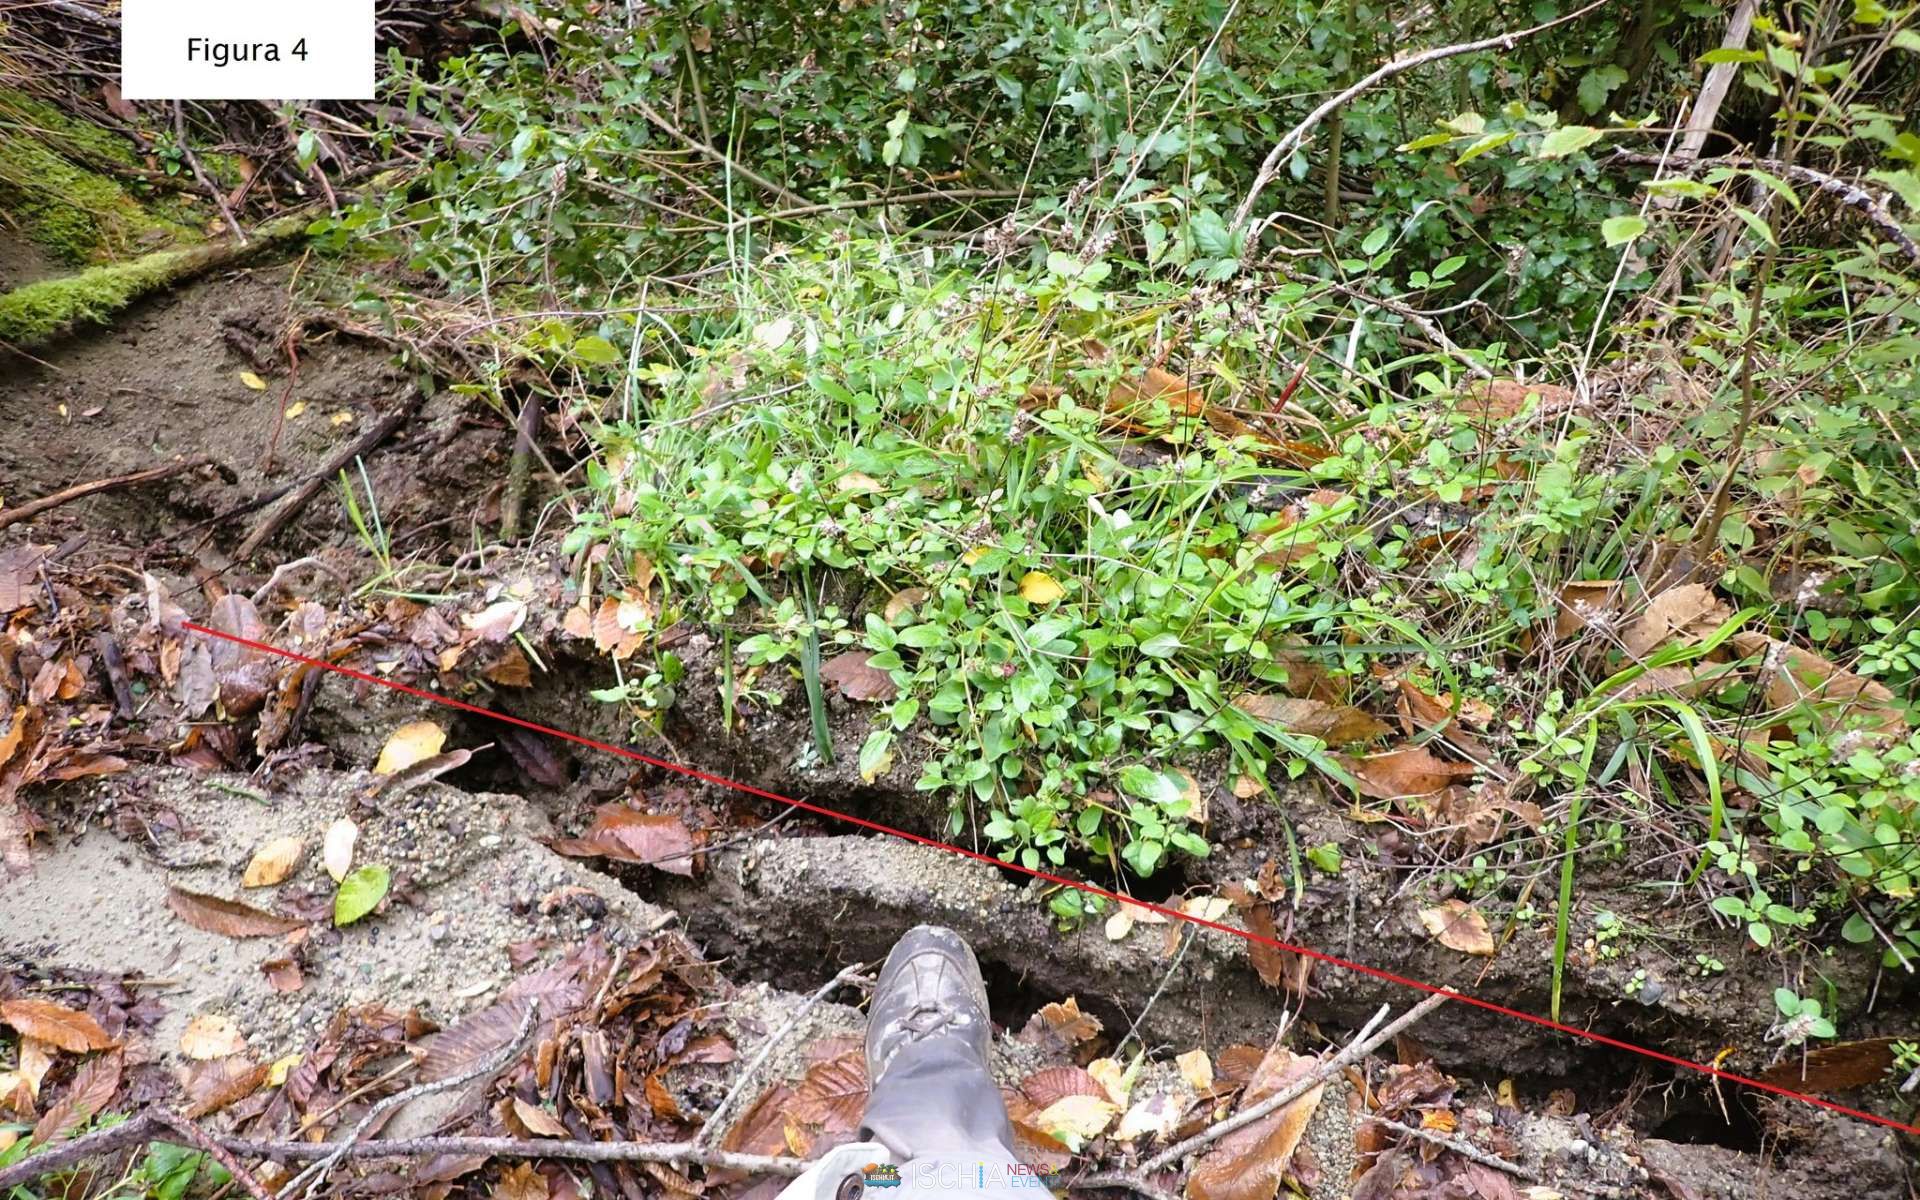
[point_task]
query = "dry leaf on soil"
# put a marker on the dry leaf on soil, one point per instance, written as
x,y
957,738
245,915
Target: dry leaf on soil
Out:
x,y
1801,675
834,1093
71,1030
229,918
1197,1069
211,1035
1250,1162
520,1182
1335,724
498,621
1583,600
1411,771
413,742
856,679
336,850
1458,925
1683,614
273,862
1073,1120
624,834
538,1121
92,1090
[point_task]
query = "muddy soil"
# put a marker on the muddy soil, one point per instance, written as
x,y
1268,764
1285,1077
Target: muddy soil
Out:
x,y
480,899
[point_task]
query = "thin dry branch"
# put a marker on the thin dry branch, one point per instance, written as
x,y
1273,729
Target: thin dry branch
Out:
x,y
1276,157
1370,1038
1872,206
33,508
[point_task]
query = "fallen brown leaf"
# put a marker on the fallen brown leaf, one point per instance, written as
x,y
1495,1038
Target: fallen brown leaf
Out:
x,y
1335,724
856,680
1581,602
1683,614
71,1030
1835,1068
1250,1162
537,1120
625,834
1049,1085
1412,771
273,862
92,1090
498,621
833,1095
520,1182
229,918
1801,676
1458,925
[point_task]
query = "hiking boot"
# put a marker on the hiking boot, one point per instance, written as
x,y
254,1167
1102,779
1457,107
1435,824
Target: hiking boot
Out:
x,y
930,988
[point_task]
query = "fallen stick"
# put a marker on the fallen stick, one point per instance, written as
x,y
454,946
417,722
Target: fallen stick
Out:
x,y
275,520
1369,1039
142,1129
1464,1149
79,491
313,1176
716,1126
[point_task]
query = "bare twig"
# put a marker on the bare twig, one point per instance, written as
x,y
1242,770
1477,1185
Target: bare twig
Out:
x,y
716,1125
143,1127
1463,1148
1851,194
79,491
1370,1038
273,521
694,143
287,570
1276,157
200,175
312,1176
220,1154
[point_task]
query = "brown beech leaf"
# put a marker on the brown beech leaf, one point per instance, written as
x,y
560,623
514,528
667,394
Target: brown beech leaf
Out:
x,y
520,1182
834,1093
69,1029
856,680
1686,613
1411,771
1835,1068
273,862
1582,601
624,834
1458,925
1276,967
537,1120
212,1086
1050,1085
1335,724
1803,676
762,1130
229,918
510,669
451,1051
1060,1027
1250,1162
92,1090
283,974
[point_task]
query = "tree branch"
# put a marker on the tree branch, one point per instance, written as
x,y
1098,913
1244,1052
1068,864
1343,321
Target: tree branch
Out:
x,y
1270,166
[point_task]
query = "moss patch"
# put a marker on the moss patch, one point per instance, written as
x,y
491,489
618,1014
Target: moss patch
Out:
x,y
76,212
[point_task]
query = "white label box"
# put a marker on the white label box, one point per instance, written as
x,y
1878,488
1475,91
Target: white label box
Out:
x,y
246,49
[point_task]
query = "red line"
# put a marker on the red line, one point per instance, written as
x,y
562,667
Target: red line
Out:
x,y
1091,889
